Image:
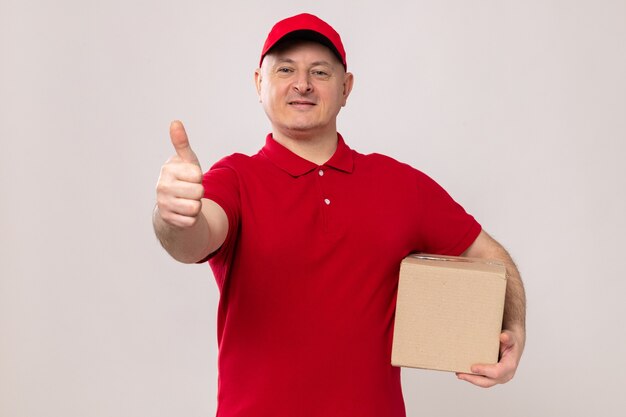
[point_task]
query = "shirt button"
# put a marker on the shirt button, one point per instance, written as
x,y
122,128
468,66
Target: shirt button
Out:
x,y
327,201
321,172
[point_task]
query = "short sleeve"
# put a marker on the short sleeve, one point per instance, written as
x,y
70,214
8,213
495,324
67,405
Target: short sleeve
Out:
x,y
445,227
221,185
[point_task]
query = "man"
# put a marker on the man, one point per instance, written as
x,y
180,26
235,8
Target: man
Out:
x,y
305,240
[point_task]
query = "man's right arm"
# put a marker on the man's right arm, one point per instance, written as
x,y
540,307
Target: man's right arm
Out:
x,y
188,226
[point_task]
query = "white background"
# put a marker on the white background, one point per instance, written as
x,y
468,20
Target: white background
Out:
x,y
518,108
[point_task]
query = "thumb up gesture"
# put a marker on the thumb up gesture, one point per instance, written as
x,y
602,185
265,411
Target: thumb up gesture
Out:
x,y
179,189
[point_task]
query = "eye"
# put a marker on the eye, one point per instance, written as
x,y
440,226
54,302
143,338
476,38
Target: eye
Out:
x,y
284,70
321,74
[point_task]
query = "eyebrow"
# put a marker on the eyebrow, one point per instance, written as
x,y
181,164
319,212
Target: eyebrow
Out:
x,y
321,63
288,60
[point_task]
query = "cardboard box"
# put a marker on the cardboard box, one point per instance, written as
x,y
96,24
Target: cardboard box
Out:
x,y
449,312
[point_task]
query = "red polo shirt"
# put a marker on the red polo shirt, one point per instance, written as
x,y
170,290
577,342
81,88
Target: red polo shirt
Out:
x,y
308,277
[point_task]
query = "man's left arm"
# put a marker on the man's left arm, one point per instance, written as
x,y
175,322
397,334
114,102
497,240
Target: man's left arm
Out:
x,y
513,336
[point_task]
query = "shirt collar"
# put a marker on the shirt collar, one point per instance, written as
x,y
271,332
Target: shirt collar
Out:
x,y
296,166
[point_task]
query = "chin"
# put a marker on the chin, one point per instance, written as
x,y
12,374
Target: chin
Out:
x,y
301,132
302,127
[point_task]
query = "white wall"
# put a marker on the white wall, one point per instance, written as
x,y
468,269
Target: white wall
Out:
x,y
517,108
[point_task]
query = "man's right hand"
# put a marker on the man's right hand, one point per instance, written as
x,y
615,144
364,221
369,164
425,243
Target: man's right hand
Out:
x,y
179,189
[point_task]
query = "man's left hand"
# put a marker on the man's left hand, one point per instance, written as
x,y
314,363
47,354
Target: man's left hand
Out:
x,y
511,347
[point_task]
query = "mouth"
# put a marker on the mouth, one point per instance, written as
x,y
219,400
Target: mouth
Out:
x,y
301,103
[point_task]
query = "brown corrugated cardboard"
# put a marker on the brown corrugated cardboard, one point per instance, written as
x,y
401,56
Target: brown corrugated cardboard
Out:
x,y
448,313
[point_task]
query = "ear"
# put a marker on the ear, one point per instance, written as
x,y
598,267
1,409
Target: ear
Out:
x,y
257,82
348,81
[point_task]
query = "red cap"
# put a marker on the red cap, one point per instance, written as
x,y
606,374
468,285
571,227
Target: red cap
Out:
x,y
305,26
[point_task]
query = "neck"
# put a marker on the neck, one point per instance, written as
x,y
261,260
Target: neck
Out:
x,y
317,149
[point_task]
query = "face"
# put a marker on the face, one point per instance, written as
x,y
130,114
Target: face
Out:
x,y
302,87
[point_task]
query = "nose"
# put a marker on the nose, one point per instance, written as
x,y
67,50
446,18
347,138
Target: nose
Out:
x,y
303,84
